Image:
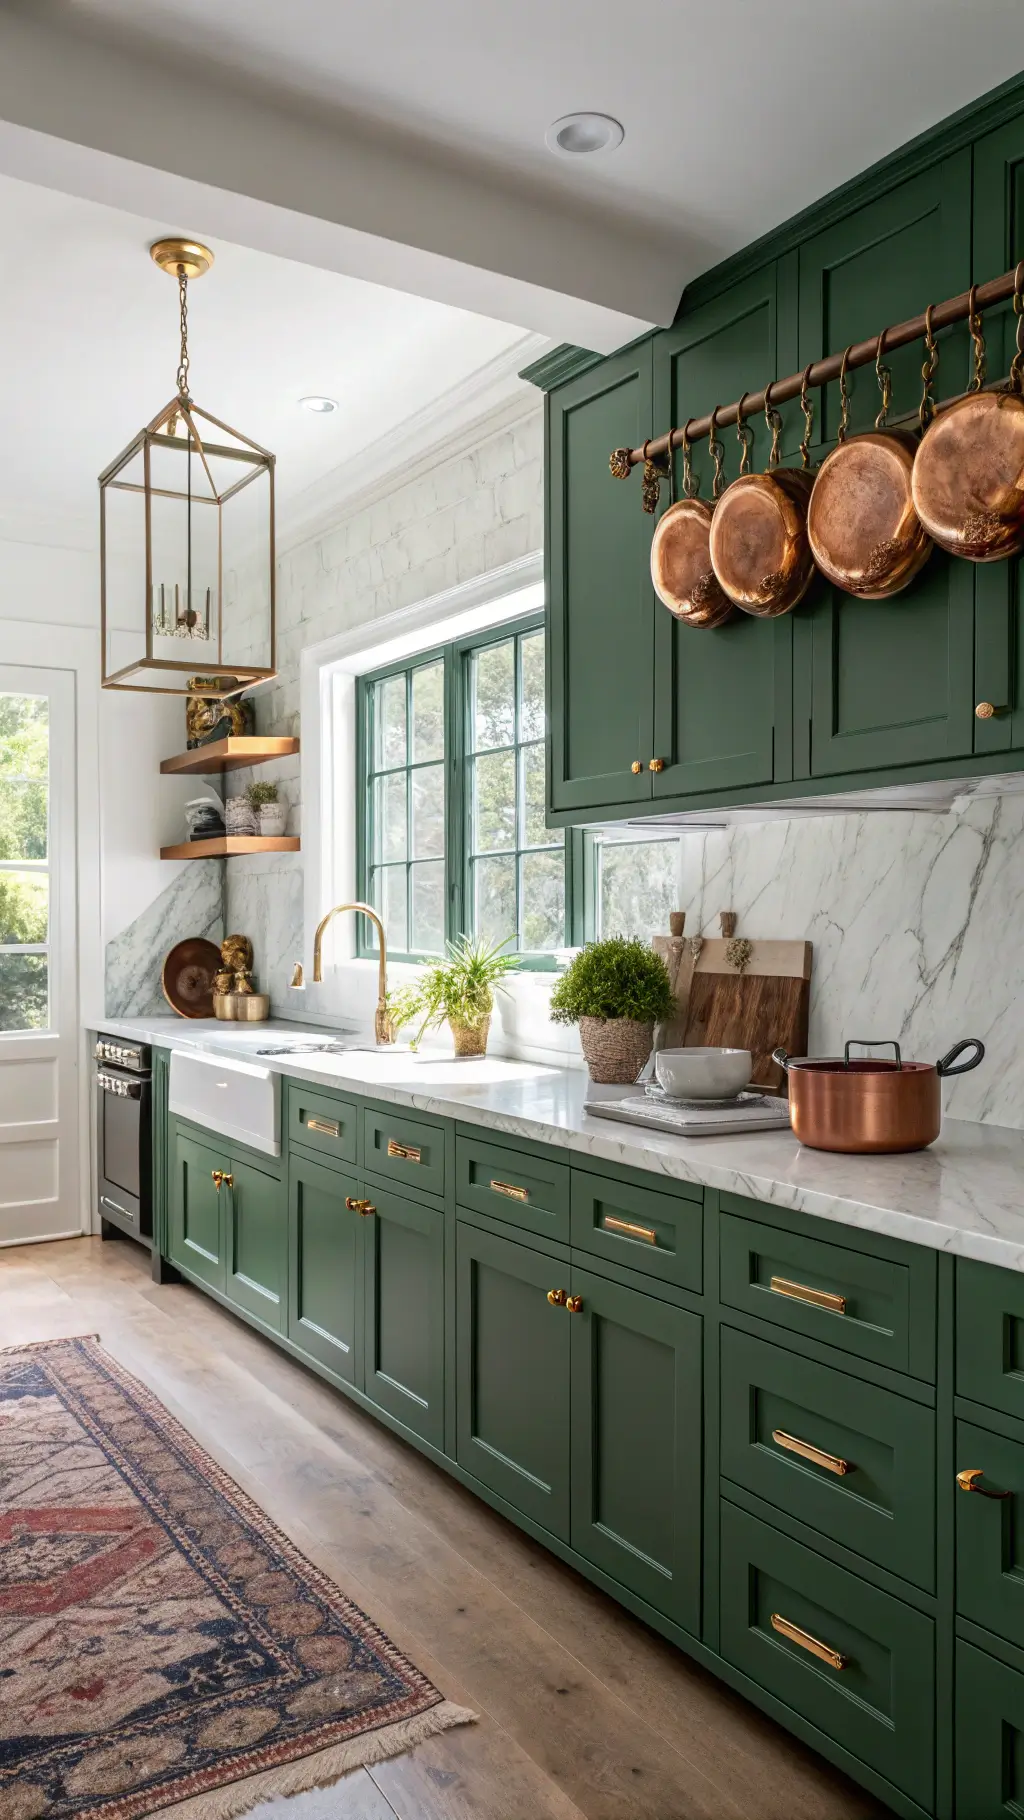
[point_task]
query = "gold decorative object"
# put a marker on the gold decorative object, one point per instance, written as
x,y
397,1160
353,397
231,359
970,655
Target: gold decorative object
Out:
x,y
619,463
187,500
236,953
207,719
739,953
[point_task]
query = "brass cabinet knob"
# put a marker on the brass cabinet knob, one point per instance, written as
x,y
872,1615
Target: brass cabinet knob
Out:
x,y
987,710
636,767
355,1206
558,1297
656,764
574,1304
229,1181
968,1480
217,1176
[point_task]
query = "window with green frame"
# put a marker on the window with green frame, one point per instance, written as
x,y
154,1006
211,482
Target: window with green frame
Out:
x,y
451,834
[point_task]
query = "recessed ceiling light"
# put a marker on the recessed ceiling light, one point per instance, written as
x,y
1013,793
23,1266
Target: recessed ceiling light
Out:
x,y
322,406
584,133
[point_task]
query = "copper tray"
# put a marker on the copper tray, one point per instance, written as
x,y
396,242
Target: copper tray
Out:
x,y
188,975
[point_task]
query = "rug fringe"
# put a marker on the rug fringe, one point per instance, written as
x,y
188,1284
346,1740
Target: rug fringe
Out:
x,y
321,1768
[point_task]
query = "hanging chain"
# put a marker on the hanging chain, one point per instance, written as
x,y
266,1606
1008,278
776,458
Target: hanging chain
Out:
x,y
1017,365
844,398
744,435
773,418
717,452
977,342
691,482
926,410
183,358
671,460
884,377
807,407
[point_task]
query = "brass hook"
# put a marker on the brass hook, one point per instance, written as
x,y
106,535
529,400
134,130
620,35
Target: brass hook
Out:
x,y
650,491
670,460
745,435
1017,365
773,418
807,408
977,341
926,410
691,486
884,377
717,453
844,398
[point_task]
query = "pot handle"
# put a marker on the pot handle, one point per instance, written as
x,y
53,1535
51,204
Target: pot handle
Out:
x,y
781,1057
884,1043
945,1067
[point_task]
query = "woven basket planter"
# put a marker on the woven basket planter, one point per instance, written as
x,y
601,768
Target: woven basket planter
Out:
x,y
470,1039
615,1048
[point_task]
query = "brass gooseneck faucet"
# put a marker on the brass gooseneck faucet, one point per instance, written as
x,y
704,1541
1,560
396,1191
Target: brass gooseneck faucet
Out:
x,y
383,1028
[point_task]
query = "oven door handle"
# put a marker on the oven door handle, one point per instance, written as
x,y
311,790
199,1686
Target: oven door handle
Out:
x,y
123,1088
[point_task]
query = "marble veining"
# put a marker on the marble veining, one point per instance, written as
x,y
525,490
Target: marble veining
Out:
x,y
965,1194
192,904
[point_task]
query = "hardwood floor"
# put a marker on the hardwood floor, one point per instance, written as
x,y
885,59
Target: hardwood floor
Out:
x,y
585,1714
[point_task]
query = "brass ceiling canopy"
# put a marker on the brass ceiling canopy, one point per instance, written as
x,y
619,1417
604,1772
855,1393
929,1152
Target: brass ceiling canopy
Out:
x,y
181,258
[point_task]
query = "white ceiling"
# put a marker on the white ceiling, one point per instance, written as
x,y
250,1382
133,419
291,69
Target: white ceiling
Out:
x,y
89,329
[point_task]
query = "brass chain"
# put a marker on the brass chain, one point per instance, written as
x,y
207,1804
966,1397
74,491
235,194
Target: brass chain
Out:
x,y
650,491
691,482
977,342
844,399
807,407
884,377
717,453
671,461
926,410
183,358
1017,365
744,435
773,418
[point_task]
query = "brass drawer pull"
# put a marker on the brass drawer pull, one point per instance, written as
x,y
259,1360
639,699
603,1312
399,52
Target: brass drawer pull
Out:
x,y
574,1304
806,1641
558,1297
329,1127
802,1292
807,1451
612,1223
509,1188
407,1152
968,1481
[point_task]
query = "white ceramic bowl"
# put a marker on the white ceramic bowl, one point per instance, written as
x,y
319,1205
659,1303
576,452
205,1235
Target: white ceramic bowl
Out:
x,y
703,1074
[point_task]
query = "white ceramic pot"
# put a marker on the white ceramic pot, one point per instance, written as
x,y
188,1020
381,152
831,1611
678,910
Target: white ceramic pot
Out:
x,y
273,818
703,1074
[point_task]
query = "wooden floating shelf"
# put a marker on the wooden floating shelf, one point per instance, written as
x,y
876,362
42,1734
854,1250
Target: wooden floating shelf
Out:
x,y
230,846
227,755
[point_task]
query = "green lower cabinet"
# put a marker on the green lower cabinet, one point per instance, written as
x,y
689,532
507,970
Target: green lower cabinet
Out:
x,y
851,1660
990,1532
256,1243
989,1737
196,1228
636,1422
512,1374
403,1322
990,1336
323,1247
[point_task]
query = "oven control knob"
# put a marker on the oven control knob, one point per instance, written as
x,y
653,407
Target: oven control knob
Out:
x,y
98,1052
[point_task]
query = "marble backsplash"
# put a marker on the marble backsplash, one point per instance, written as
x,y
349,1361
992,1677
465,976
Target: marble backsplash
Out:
x,y
192,904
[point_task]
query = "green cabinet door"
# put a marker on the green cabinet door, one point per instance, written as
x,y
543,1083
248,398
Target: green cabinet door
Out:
x,y
990,1336
989,1737
637,1442
600,600
891,682
256,1242
403,1325
323,1248
719,695
196,1235
990,1532
512,1374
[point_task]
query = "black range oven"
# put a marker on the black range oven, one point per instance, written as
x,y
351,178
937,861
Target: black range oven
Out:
x,y
123,1138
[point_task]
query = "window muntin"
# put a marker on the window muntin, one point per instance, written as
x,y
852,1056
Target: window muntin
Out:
x,y
24,862
405,793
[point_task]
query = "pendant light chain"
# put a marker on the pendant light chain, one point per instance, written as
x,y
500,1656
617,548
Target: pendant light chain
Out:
x,y
183,359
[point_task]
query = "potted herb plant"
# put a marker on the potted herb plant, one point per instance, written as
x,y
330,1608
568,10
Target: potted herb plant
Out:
x,y
616,991
269,813
458,991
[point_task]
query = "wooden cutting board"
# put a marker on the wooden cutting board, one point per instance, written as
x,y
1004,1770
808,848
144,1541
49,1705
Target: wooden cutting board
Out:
x,y
765,1005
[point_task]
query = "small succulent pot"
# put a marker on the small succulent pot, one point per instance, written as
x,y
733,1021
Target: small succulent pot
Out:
x,y
272,818
238,816
615,1048
470,1039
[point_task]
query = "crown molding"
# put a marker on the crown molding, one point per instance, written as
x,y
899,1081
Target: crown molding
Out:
x,y
559,364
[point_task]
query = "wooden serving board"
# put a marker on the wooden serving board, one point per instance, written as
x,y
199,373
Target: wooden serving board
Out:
x,y
765,1005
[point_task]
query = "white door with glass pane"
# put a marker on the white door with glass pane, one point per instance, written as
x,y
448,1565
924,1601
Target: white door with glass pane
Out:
x,y
39,1188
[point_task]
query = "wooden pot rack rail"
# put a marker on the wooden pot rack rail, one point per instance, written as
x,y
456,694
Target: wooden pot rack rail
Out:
x,y
861,354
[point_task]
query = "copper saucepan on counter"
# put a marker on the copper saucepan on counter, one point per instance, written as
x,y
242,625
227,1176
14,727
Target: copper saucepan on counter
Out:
x,y
868,1105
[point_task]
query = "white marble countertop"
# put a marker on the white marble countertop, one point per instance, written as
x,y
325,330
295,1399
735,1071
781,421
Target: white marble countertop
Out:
x,y
965,1194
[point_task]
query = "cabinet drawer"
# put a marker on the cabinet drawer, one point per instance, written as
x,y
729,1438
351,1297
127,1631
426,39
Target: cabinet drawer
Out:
x,y
512,1185
853,1461
404,1150
321,1122
875,1305
990,1335
660,1234
989,1736
990,1532
861,1665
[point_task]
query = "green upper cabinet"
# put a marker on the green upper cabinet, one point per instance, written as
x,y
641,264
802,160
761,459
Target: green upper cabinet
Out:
x,y
600,599
891,682
721,697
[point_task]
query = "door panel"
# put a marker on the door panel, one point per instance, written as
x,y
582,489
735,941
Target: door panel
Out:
x,y
323,1236
637,1443
197,1211
717,692
404,1311
512,1374
600,600
990,1533
990,1336
989,1737
257,1242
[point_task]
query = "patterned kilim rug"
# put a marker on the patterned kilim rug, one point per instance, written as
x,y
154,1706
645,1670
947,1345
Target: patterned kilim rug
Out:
x,y
163,1647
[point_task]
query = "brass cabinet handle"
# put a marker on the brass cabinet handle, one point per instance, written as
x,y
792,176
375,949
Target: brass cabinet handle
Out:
x,y
612,1223
558,1297
802,1292
636,767
987,710
656,764
407,1152
574,1304
329,1127
355,1206
510,1189
803,1637
807,1451
968,1480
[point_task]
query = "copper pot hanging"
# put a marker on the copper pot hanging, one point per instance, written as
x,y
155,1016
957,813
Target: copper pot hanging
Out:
x,y
681,569
759,545
864,531
969,472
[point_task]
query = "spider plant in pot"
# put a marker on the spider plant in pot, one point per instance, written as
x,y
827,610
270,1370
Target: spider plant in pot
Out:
x,y
458,991
616,991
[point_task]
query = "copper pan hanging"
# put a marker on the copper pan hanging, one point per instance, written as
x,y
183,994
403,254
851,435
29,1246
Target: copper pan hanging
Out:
x,y
969,472
681,570
759,545
864,532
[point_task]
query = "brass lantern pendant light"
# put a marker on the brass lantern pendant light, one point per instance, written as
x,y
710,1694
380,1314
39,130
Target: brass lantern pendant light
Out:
x,y
187,558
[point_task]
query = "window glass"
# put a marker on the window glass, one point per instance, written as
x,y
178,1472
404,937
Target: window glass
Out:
x,y
24,874
637,886
405,797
